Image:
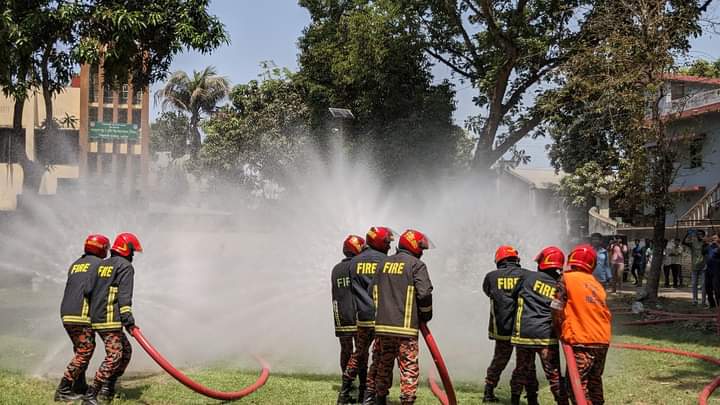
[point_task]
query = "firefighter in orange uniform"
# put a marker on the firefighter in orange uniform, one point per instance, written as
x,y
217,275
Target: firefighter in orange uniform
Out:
x,y
582,315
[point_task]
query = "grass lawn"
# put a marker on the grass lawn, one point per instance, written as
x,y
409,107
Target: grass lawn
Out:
x,y
631,377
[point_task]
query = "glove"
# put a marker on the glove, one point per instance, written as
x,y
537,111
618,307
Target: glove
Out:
x,y
425,316
127,320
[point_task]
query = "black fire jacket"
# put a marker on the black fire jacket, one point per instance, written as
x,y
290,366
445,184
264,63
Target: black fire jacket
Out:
x,y
362,273
404,295
111,301
342,300
499,285
75,306
533,318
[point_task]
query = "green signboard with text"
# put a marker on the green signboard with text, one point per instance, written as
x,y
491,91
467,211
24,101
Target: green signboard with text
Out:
x,y
107,131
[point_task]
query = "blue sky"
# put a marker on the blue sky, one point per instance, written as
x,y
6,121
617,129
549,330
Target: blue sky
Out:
x,y
268,30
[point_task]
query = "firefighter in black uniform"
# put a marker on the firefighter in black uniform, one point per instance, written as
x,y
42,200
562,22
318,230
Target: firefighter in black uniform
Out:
x,y
404,299
533,330
344,312
499,285
111,310
75,314
362,273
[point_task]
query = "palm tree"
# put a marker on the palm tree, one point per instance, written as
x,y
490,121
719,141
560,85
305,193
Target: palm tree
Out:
x,y
194,96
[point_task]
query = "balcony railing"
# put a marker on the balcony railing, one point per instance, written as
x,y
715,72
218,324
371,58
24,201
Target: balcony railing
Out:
x,y
704,207
691,102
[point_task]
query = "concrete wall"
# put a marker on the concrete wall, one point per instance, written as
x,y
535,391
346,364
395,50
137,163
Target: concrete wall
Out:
x,y
708,175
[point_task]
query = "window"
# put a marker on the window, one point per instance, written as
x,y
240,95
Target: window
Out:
x,y
137,97
124,94
137,117
677,90
107,115
93,114
92,90
696,152
107,94
122,116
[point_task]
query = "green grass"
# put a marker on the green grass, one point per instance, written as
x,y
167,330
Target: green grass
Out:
x,y
631,377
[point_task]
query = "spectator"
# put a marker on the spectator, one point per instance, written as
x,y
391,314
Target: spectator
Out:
x,y
638,262
673,256
602,271
648,255
617,261
712,272
695,241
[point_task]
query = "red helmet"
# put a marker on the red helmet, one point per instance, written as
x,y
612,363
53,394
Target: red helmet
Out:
x,y
97,245
550,258
506,252
126,244
379,238
583,257
353,245
414,242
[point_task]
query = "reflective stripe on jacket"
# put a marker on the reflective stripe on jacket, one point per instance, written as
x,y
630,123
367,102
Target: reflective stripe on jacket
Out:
x,y
112,296
499,285
362,273
533,319
75,306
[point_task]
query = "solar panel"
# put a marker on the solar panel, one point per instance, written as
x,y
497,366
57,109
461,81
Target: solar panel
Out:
x,y
343,113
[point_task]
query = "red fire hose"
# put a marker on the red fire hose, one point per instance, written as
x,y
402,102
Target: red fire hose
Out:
x,y
447,397
573,375
707,391
193,385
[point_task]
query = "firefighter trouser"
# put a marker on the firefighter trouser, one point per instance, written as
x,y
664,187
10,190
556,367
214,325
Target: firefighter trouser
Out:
x,y
118,352
501,357
405,350
83,340
524,373
591,365
346,350
357,365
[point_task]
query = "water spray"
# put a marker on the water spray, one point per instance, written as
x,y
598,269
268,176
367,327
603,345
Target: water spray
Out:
x,y
447,397
194,385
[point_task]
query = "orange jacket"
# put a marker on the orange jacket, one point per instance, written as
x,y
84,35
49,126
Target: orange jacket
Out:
x,y
586,315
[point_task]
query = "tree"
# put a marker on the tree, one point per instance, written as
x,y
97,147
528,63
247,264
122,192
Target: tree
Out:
x,y
508,51
170,133
703,68
194,96
259,133
142,37
613,89
361,55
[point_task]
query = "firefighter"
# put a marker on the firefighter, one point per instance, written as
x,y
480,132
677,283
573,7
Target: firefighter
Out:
x,y
362,273
344,312
75,315
582,316
499,285
533,329
111,310
404,299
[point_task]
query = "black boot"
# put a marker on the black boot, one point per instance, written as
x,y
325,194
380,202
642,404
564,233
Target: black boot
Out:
x,y
107,391
64,392
344,395
369,398
532,398
515,399
80,386
490,394
381,400
91,397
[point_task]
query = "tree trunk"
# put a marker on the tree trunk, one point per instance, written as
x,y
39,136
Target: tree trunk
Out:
x,y
47,94
653,279
195,139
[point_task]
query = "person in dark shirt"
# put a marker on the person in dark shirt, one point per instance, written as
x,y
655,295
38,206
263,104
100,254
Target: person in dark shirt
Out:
x,y
637,268
75,315
110,311
344,312
712,272
498,285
